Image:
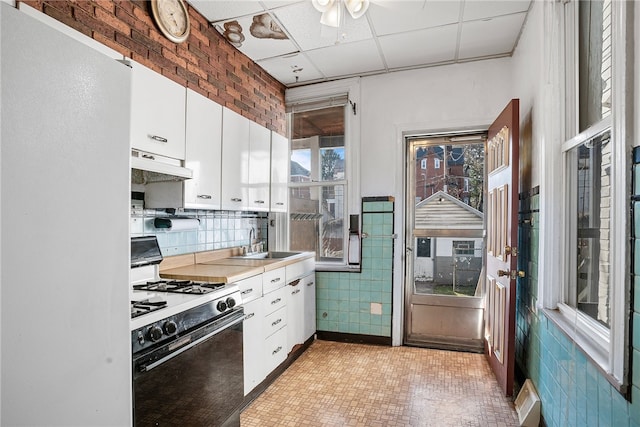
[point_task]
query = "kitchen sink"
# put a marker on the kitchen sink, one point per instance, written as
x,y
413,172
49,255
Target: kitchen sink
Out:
x,y
268,255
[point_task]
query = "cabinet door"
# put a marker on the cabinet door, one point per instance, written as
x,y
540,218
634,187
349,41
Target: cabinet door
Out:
x,y
274,350
295,313
309,292
203,152
273,279
157,113
279,173
253,341
259,167
235,160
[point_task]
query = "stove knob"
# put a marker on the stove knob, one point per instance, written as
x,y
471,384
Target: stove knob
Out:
x,y
155,333
231,302
170,327
221,306
140,338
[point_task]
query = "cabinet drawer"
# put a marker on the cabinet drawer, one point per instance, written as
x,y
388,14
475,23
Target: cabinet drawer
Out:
x,y
275,351
250,288
274,301
299,269
274,279
275,321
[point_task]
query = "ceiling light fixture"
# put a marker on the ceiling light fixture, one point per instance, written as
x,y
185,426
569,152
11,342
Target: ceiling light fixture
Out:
x,y
332,10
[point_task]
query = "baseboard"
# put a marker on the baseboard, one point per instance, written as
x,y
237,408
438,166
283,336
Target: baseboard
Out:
x,y
353,338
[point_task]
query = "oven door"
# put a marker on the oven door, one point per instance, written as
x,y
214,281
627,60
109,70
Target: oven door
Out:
x,y
196,380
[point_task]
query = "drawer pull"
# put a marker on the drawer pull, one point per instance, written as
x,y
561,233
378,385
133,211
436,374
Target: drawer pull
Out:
x,y
295,292
280,203
311,283
275,301
277,350
204,196
249,316
148,156
260,202
236,199
274,323
248,291
294,283
158,138
277,279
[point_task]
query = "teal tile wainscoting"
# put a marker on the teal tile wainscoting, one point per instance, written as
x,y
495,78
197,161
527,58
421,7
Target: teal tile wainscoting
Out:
x,y
217,230
572,390
360,302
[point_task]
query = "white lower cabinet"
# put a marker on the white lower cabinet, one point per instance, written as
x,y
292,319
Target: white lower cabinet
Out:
x,y
254,370
277,317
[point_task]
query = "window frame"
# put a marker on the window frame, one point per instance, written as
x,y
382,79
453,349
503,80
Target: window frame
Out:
x,y
607,347
323,94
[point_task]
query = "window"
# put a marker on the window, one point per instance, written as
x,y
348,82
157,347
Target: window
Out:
x,y
591,300
423,164
463,247
424,247
317,184
436,163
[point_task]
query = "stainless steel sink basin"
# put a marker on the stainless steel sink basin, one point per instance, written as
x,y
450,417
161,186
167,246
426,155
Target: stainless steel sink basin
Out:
x,y
268,255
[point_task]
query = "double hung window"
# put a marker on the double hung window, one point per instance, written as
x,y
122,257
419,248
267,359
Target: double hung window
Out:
x,y
592,298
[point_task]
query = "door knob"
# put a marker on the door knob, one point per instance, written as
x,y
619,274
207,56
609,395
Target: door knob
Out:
x,y
512,274
504,273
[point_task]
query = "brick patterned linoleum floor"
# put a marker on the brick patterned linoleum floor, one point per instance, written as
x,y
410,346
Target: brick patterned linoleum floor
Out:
x,y
338,384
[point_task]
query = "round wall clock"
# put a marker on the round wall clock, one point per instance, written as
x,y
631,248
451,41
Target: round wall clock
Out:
x,y
172,18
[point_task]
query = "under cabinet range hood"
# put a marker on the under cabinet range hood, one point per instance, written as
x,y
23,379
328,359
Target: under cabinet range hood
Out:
x,y
147,167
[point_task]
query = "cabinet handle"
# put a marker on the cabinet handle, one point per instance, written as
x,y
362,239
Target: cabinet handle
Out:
x,y
295,282
159,138
277,350
260,202
249,316
236,199
275,301
295,292
277,279
248,291
274,323
311,283
148,156
280,203
204,196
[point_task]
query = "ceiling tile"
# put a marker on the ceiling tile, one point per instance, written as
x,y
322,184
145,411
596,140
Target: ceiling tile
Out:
x,y
302,22
494,36
422,47
283,69
487,9
258,36
347,59
220,10
395,16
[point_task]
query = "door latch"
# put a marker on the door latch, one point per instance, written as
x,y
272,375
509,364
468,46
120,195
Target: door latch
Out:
x,y
511,250
513,274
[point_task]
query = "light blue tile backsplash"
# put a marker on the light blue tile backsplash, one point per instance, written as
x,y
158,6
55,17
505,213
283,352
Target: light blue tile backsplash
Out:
x,y
217,230
345,300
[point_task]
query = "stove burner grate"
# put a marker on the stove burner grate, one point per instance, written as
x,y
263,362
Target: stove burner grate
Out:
x,y
179,286
138,308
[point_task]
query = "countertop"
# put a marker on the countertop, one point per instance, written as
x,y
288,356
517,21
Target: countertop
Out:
x,y
230,269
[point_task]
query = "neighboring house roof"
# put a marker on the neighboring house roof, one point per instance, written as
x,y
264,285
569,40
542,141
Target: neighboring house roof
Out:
x,y
442,211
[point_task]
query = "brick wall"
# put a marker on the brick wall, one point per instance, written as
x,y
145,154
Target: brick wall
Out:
x,y
205,62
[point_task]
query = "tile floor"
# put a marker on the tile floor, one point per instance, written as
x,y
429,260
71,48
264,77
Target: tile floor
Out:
x,y
338,384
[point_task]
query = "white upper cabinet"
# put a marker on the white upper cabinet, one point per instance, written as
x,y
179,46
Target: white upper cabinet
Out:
x,y
259,167
157,113
279,173
203,152
235,160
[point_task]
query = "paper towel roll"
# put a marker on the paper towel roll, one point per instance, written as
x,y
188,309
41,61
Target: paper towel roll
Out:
x,y
177,224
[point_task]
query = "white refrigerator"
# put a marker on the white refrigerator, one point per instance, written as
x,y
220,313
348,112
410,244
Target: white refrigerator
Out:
x,y
64,215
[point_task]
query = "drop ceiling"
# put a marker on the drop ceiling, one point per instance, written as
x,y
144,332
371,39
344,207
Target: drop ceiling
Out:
x,y
287,40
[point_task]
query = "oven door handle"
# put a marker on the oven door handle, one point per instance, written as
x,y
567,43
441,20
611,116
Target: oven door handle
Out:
x,y
147,368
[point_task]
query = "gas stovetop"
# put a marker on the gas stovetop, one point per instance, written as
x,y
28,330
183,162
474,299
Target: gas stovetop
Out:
x,y
178,286
147,305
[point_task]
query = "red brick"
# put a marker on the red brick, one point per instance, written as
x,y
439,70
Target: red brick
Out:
x,y
109,42
159,38
145,41
143,15
197,70
209,88
65,16
96,25
87,5
123,15
132,45
171,56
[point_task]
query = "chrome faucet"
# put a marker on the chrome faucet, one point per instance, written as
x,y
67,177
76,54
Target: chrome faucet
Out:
x,y
252,236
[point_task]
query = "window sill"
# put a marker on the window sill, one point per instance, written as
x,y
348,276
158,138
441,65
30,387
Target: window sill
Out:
x,y
338,268
592,351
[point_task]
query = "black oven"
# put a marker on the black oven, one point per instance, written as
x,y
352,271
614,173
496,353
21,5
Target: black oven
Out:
x,y
193,376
